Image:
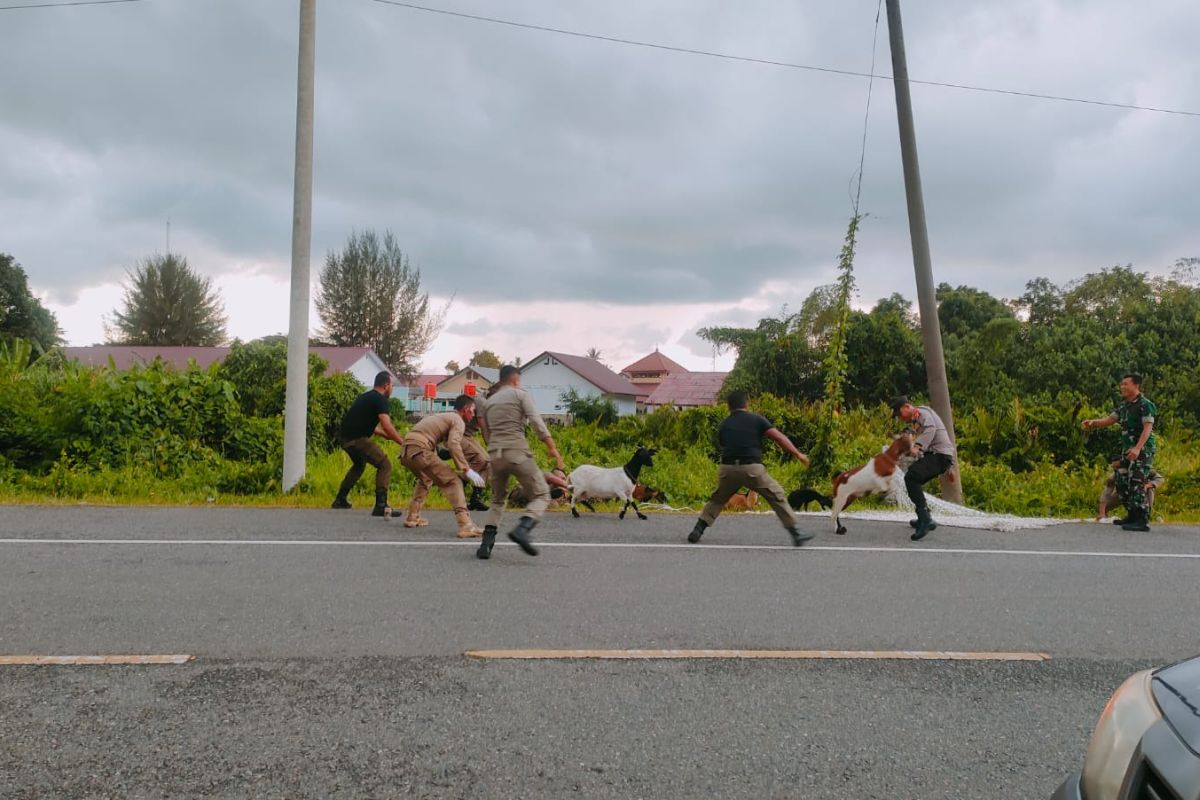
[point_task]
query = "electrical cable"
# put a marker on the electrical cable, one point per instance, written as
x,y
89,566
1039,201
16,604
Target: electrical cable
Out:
x,y
70,3
773,63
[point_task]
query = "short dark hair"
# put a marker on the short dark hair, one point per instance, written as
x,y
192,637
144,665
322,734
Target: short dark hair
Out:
x,y
383,379
738,399
1136,377
462,401
507,371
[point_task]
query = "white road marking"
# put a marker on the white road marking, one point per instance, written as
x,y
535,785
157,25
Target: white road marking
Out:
x,y
31,660
903,655
914,550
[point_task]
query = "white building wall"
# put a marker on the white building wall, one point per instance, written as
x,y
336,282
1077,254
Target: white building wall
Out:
x,y
546,382
366,368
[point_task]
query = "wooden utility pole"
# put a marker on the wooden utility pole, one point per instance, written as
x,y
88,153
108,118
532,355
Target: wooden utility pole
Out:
x,y
931,334
295,415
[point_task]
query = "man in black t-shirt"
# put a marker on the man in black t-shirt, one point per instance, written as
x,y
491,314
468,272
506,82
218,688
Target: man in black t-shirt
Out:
x,y
369,415
740,437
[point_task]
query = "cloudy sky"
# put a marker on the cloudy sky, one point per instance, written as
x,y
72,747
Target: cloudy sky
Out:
x,y
573,192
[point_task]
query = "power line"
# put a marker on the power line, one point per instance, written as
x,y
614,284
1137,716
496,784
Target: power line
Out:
x,y
862,158
773,63
74,3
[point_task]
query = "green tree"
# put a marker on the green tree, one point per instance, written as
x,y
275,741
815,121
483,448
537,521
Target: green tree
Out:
x,y
370,296
589,408
452,366
22,316
486,358
837,364
166,303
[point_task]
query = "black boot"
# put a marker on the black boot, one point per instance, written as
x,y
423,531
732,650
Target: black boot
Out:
x,y
925,524
912,523
1138,521
340,501
476,502
520,535
489,539
1123,520
697,531
380,508
798,537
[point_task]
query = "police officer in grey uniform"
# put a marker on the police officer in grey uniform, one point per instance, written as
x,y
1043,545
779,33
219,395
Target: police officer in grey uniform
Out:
x,y
505,415
935,454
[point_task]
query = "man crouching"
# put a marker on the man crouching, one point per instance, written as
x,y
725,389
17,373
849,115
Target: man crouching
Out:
x,y
419,456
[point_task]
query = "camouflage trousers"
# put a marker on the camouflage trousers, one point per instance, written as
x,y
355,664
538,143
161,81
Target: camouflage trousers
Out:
x,y
1132,477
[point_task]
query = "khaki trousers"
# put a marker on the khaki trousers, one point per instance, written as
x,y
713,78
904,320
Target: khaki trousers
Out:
x,y
422,461
362,452
517,462
732,477
477,457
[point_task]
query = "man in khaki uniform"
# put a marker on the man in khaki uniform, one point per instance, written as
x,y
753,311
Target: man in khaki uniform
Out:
x,y
505,415
419,456
740,437
477,457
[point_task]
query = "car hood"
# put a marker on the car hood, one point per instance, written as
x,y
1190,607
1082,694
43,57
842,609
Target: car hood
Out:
x,y
1177,692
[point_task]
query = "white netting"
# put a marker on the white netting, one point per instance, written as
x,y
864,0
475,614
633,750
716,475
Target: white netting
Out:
x,y
946,514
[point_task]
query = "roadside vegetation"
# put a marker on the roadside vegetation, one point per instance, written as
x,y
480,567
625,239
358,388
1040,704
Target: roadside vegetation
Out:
x,y
1023,374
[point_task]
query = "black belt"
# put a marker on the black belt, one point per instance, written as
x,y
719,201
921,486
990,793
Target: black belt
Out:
x,y
735,461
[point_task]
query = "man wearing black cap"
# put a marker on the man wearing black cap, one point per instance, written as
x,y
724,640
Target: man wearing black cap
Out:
x,y
935,454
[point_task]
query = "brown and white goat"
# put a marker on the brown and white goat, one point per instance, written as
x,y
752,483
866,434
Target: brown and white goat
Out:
x,y
874,477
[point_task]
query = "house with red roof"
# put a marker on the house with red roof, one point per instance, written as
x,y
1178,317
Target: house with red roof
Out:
x,y
686,390
650,370
551,375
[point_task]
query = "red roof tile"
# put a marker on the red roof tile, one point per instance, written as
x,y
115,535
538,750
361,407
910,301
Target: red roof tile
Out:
x,y
340,359
594,372
655,362
688,389
125,357
421,380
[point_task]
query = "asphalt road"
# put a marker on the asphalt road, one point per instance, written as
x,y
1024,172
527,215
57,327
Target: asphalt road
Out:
x,y
329,655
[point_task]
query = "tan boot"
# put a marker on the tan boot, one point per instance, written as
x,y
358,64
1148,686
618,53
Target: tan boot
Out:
x,y
467,529
415,522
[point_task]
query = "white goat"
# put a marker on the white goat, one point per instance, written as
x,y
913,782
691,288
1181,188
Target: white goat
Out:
x,y
588,482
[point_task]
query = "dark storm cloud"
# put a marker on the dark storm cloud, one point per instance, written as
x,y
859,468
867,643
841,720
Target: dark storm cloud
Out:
x,y
513,163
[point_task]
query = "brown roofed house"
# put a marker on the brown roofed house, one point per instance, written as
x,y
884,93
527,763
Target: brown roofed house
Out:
x,y
686,390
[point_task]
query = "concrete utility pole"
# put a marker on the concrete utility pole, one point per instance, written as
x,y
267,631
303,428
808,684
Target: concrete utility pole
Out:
x,y
295,417
931,333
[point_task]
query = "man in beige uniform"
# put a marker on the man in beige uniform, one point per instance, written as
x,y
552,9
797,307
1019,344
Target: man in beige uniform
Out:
x,y
505,415
477,457
419,455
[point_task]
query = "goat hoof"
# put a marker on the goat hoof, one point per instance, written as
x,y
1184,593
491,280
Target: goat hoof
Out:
x,y
642,516
574,513
621,515
841,531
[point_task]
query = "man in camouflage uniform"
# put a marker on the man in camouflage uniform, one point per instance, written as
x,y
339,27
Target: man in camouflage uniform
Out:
x,y
1135,415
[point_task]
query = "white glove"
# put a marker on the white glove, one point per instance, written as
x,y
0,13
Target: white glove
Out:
x,y
475,478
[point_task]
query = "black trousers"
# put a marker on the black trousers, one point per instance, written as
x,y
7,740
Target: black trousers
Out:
x,y
923,470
